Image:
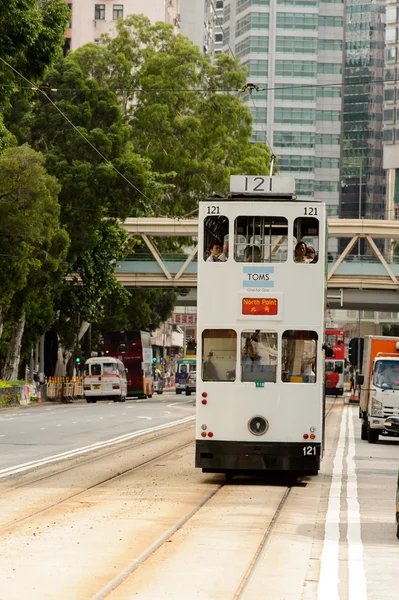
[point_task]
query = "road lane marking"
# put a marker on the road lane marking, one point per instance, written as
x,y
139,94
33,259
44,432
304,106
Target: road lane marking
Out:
x,y
329,568
148,418
85,449
59,425
357,575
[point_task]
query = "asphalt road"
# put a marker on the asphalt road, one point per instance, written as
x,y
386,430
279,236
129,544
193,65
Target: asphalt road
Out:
x,y
36,432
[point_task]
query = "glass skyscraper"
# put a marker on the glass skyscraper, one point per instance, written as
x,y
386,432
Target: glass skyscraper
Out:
x,y
391,108
363,176
294,48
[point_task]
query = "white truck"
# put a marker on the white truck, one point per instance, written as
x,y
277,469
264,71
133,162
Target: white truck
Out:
x,y
379,392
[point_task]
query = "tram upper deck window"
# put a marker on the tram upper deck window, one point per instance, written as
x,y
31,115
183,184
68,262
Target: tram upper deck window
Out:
x,y
216,239
258,356
306,236
299,356
219,351
261,239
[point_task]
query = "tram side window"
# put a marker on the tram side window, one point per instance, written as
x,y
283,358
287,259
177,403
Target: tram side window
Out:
x,y
299,356
306,236
216,239
261,239
219,352
258,356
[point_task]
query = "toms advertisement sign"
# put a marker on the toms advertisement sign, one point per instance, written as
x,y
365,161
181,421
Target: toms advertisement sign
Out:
x,y
258,278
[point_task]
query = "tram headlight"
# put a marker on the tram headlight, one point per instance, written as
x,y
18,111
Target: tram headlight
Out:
x,y
204,427
312,429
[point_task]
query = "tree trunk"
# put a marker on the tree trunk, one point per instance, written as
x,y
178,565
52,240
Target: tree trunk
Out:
x,y
64,354
14,350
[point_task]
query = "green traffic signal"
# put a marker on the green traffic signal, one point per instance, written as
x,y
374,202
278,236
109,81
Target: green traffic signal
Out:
x,y
77,359
154,360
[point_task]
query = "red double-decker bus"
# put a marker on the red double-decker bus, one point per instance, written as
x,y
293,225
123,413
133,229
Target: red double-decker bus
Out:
x,y
134,349
335,364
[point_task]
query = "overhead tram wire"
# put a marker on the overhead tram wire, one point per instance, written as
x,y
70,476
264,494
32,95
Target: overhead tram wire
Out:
x,y
192,90
153,204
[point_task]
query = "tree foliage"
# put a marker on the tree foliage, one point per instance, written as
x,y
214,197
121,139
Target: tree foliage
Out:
x,y
186,114
31,36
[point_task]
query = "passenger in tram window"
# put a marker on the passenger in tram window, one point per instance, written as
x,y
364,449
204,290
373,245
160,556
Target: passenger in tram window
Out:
x,y
311,255
215,252
301,250
225,254
209,369
252,254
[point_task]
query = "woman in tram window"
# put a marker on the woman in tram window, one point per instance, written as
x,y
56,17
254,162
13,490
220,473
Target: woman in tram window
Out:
x,y
252,254
301,251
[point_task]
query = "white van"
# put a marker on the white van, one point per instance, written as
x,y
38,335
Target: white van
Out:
x,y
104,379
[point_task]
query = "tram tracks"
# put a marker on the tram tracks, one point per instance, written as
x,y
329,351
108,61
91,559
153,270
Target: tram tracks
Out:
x,y
80,466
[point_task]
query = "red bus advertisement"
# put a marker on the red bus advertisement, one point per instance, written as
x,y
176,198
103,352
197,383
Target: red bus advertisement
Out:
x,y
134,349
335,364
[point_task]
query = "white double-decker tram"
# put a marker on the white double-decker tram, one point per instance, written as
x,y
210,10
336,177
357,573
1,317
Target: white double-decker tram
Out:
x,y
261,297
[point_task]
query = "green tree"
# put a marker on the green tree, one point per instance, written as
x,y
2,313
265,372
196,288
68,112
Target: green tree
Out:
x,y
31,36
170,93
33,245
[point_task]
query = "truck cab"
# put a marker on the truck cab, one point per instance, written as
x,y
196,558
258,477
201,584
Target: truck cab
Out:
x,y
379,396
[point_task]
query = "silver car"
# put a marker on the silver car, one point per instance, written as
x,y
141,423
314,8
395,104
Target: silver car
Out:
x,y
191,383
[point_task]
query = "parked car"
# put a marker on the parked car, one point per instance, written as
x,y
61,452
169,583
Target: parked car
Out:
x,y
392,427
158,383
191,383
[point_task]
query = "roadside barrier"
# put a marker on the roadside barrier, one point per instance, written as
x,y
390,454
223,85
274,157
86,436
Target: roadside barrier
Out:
x,y
63,391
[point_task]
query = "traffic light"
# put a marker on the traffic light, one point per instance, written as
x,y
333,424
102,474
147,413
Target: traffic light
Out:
x,y
154,360
355,353
77,360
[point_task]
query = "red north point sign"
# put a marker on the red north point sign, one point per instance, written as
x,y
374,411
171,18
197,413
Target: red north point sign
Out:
x,y
259,306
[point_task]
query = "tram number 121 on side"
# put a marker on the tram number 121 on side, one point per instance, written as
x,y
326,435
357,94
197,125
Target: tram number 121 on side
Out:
x,y
261,297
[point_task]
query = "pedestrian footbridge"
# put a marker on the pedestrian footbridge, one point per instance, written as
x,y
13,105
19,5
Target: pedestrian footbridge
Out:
x,y
369,282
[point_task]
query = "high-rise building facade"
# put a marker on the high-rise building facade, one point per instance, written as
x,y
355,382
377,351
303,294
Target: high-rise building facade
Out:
x,y
363,176
294,50
90,20
391,109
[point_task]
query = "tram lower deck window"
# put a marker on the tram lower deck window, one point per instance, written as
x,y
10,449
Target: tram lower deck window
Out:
x,y
299,356
258,356
261,239
219,353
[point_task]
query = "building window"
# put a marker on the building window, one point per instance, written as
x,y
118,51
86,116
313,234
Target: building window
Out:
x,y
329,92
297,21
329,68
302,164
295,68
70,22
389,95
117,11
387,135
297,139
296,45
389,114
219,4
218,37
326,186
330,45
99,12
327,138
391,14
326,163
390,34
390,54
390,74
328,115
331,21
295,116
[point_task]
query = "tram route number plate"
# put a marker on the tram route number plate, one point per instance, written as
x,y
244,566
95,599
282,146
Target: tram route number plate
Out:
x,y
259,306
259,384
311,451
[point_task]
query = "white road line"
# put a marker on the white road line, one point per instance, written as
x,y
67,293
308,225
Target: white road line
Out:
x,y
59,425
357,575
148,418
42,428
98,446
2,435
329,568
